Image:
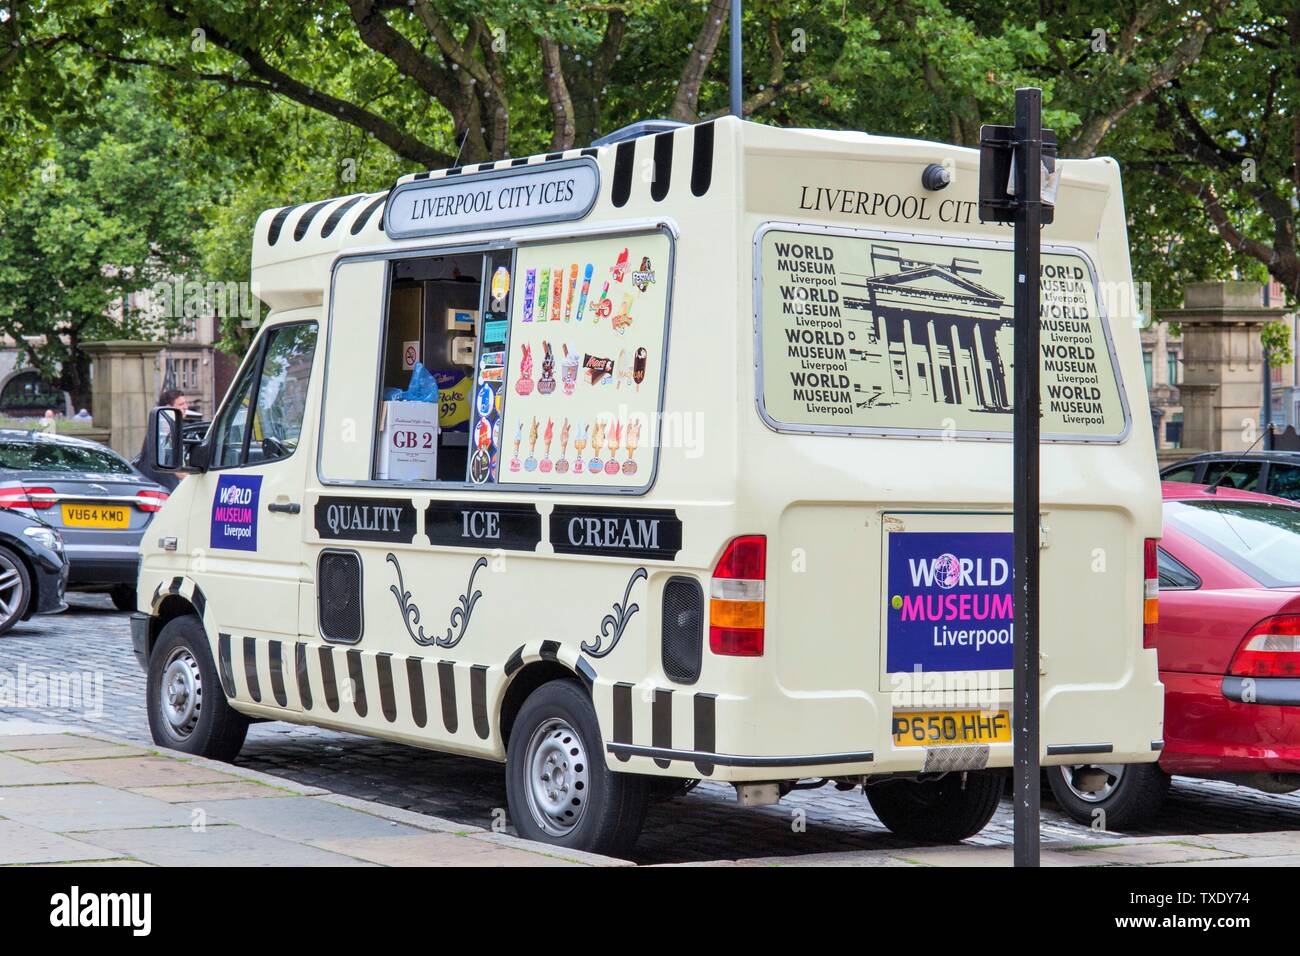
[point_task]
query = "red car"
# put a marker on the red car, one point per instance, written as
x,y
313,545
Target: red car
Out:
x,y
1228,642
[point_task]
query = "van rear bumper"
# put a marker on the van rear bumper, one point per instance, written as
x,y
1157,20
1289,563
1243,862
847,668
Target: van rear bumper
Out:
x,y
777,734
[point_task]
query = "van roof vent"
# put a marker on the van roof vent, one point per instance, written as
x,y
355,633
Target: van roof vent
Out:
x,y
642,128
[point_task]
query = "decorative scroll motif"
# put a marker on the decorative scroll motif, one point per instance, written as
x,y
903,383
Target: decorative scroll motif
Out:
x,y
613,625
460,614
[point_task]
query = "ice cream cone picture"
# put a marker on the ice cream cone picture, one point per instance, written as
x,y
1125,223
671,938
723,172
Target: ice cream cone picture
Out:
x,y
547,437
568,299
519,437
525,384
597,442
562,465
530,463
557,293
631,440
586,287
623,319
611,466
638,367
569,370
546,384
579,444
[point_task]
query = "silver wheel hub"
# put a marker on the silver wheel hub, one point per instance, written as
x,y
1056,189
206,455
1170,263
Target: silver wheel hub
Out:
x,y
1092,782
181,692
557,777
11,589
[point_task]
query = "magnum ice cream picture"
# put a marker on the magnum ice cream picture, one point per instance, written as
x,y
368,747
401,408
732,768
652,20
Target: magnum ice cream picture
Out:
x,y
859,332
585,361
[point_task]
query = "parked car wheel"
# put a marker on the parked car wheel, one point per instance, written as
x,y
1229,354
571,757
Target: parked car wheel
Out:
x,y
15,589
948,810
1113,796
559,788
123,596
188,710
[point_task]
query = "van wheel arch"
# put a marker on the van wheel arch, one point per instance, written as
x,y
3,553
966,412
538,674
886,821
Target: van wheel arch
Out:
x,y
171,607
526,680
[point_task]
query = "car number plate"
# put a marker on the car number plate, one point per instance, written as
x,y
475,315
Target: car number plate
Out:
x,y
939,728
96,516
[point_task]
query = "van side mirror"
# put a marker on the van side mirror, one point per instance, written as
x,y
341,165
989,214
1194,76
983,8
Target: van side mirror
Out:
x,y
163,448
172,445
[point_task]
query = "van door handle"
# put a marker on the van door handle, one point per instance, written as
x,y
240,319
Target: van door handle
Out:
x,y
291,508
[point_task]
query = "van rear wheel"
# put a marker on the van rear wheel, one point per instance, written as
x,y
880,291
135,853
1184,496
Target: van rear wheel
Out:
x,y
948,810
559,788
187,707
1110,796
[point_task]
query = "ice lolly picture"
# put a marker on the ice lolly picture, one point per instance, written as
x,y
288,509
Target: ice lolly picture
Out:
x,y
586,287
543,294
530,290
557,293
573,284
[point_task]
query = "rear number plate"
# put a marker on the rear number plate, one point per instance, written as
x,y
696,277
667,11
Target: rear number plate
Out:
x,y
96,516
939,728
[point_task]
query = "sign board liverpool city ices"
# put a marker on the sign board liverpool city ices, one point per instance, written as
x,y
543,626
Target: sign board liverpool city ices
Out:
x,y
521,195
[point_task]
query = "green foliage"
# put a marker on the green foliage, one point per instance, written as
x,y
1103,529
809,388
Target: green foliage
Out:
x,y
105,213
1276,339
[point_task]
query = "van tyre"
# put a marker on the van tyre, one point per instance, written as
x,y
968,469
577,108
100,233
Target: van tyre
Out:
x,y
187,707
558,786
1130,796
948,810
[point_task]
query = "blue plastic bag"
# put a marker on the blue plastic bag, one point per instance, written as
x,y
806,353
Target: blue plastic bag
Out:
x,y
422,388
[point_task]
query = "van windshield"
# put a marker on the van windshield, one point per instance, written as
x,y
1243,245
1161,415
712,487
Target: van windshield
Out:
x,y
1260,538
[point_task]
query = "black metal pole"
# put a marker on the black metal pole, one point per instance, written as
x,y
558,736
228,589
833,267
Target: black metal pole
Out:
x,y
1025,704
736,82
1268,403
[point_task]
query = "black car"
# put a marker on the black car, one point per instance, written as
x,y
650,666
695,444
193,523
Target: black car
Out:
x,y
33,568
1268,472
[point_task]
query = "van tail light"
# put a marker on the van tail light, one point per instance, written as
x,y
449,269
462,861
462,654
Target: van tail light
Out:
x,y
149,500
20,496
1150,593
1270,649
736,598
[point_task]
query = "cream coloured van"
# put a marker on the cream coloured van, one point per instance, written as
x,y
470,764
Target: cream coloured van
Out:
x,y
716,484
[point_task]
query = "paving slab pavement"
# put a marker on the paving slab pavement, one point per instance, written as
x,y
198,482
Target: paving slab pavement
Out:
x,y
73,797
69,796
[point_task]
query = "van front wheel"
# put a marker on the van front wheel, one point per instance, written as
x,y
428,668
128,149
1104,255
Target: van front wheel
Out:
x,y
948,810
187,707
559,788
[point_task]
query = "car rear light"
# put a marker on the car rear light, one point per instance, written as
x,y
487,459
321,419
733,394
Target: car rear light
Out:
x,y
20,496
150,500
1270,649
1150,593
736,598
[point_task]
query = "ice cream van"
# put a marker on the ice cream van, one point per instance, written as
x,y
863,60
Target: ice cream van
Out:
x,y
716,484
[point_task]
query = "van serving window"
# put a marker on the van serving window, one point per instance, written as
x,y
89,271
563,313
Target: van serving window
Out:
x,y
538,366
874,334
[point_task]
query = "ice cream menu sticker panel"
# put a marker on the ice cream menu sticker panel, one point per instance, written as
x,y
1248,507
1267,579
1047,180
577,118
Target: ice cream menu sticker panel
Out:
x,y
587,323
869,333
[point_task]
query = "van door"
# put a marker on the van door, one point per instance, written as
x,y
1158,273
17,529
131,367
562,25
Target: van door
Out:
x,y
247,553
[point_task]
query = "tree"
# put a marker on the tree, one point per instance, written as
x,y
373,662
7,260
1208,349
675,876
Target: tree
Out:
x,y
107,212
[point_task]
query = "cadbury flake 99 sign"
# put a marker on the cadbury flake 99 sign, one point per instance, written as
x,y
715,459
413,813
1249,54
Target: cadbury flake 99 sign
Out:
x,y
585,362
877,333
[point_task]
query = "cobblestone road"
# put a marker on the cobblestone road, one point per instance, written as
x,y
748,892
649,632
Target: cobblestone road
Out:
x,y
703,825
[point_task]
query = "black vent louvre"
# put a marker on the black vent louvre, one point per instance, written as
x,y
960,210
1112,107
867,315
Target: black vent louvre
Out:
x,y
338,596
683,629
